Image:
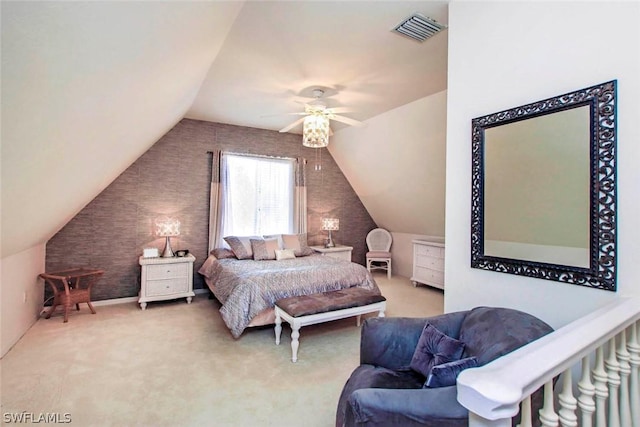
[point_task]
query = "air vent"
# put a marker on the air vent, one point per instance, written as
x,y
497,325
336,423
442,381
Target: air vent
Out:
x,y
419,27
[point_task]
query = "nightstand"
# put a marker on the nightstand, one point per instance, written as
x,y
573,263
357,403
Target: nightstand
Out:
x,y
338,251
166,278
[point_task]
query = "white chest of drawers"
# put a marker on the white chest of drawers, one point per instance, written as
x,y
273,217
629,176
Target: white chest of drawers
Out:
x,y
428,263
166,278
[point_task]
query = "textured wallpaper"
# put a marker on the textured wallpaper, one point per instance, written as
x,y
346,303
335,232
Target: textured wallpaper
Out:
x,y
172,178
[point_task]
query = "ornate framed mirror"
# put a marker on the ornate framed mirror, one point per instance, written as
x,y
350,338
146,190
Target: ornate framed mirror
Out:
x,y
544,189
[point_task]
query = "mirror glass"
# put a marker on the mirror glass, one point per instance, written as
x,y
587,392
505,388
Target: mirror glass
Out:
x,y
544,189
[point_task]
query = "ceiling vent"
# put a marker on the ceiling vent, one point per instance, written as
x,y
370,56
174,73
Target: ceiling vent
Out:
x,y
419,27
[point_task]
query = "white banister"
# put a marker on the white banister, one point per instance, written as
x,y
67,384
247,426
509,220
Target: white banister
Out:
x,y
625,370
568,403
587,391
548,416
492,393
634,383
613,367
600,381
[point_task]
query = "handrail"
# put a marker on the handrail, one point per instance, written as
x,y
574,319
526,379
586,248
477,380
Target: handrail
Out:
x,y
494,391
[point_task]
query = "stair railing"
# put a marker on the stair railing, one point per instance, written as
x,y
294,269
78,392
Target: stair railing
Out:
x,y
604,346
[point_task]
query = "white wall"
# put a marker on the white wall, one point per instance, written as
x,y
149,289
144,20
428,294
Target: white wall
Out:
x,y
396,165
502,55
21,294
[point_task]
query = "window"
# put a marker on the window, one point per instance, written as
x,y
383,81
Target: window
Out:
x,y
257,195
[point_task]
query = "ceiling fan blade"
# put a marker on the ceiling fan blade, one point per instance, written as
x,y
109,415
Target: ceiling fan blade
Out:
x,y
339,110
291,126
347,120
285,114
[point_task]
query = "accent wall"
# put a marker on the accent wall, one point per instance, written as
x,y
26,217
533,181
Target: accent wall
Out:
x,y
172,178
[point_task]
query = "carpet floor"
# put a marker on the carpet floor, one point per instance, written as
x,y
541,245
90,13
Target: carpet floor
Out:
x,y
176,364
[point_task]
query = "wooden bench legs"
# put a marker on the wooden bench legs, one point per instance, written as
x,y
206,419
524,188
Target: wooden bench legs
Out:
x,y
298,322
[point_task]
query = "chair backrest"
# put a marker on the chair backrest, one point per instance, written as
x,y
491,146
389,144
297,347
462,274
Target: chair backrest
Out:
x,y
379,239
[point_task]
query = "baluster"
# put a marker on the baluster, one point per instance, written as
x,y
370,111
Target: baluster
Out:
x,y
613,367
548,416
600,382
567,402
625,370
634,387
585,400
525,413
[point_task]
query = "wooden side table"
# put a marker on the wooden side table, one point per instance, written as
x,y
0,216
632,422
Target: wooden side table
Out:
x,y
70,287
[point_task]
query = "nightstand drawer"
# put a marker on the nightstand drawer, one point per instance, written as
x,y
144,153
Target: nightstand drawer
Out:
x,y
166,287
167,271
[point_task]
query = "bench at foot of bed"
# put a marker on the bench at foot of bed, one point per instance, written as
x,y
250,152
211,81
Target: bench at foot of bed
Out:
x,y
318,308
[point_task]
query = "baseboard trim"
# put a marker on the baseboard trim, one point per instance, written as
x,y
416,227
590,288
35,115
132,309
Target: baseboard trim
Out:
x,y
127,300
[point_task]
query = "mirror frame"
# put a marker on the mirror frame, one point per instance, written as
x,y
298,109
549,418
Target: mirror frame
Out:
x,y
601,273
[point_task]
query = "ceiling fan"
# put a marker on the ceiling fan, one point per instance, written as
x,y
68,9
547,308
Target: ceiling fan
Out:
x,y
315,120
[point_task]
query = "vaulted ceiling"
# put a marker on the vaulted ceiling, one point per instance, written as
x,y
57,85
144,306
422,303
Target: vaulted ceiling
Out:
x,y
87,87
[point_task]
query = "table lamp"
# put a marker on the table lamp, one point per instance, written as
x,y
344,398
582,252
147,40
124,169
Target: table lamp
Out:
x,y
330,224
167,227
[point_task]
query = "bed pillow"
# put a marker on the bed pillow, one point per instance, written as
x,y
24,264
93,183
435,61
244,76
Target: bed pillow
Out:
x,y
297,242
241,245
275,236
446,374
222,253
285,254
264,248
434,348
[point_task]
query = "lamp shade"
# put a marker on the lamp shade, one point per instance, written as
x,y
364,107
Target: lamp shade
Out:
x,y
330,224
167,227
315,131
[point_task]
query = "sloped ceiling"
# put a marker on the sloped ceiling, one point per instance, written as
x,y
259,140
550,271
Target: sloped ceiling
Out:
x,y
87,87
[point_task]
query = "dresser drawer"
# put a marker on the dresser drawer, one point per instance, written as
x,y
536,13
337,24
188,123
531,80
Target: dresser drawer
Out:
x,y
429,251
430,262
167,271
166,287
429,276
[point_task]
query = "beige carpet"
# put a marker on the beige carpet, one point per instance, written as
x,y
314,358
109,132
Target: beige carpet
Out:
x,y
177,365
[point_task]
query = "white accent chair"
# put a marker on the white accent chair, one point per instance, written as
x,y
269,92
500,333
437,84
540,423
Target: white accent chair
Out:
x,y
379,256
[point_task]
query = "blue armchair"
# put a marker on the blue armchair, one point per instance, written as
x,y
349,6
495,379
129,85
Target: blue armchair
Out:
x,y
385,391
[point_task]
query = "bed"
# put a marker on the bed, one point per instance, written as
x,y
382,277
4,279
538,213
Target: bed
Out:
x,y
248,289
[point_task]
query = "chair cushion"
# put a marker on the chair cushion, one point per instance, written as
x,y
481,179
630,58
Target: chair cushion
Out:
x,y
446,374
378,254
434,348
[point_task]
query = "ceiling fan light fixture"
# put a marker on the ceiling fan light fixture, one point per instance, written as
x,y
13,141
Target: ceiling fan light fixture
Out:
x,y
315,131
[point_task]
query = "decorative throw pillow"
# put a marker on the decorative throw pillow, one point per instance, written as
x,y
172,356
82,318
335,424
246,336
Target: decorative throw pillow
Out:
x,y
264,249
446,374
275,236
297,242
241,246
434,348
285,254
222,253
